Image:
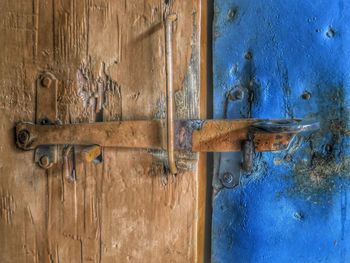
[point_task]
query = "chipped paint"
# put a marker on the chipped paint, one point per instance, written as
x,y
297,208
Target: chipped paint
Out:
x,y
293,206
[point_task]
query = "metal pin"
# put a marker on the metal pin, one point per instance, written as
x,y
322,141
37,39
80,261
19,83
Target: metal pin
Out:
x,y
170,92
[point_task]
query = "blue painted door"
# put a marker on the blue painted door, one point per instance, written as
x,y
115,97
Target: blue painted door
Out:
x,y
290,59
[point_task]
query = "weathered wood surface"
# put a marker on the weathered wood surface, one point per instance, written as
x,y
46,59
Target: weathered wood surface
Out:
x,y
125,209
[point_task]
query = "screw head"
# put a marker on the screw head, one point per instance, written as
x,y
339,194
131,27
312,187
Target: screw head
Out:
x,y
306,95
236,94
228,178
248,55
45,82
44,161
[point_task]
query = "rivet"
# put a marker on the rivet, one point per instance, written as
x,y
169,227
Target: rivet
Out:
x,y
227,178
248,55
306,95
44,161
45,82
236,94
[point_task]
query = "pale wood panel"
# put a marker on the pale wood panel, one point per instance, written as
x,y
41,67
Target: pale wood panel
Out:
x,y
125,209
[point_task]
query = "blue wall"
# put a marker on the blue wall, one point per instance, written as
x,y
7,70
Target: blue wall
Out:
x,y
292,58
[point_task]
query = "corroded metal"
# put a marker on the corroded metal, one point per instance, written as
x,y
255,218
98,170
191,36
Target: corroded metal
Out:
x,y
91,153
123,134
46,156
191,135
170,92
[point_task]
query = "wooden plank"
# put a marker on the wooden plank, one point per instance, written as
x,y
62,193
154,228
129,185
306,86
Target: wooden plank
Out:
x,y
108,58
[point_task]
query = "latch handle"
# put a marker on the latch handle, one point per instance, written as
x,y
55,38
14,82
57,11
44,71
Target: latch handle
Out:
x,y
170,93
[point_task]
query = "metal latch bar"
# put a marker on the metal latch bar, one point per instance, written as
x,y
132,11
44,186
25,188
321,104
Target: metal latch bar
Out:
x,y
192,135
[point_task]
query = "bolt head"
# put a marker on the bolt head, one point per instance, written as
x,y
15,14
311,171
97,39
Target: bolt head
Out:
x,y
45,82
228,178
44,161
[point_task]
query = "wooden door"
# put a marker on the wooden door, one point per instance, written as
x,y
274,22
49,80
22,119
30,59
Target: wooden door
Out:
x,y
126,209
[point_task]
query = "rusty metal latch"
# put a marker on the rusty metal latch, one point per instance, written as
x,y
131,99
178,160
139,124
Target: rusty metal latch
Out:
x,y
246,135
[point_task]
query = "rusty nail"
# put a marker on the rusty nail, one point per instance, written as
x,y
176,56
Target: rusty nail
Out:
x,y
44,161
45,82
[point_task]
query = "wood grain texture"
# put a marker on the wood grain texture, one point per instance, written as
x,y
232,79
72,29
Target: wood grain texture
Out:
x,y
108,57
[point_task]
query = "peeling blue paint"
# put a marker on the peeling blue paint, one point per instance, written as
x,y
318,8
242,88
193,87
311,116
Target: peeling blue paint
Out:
x,y
292,58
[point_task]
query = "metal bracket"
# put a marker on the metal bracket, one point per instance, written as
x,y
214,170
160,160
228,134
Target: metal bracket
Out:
x,y
46,113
